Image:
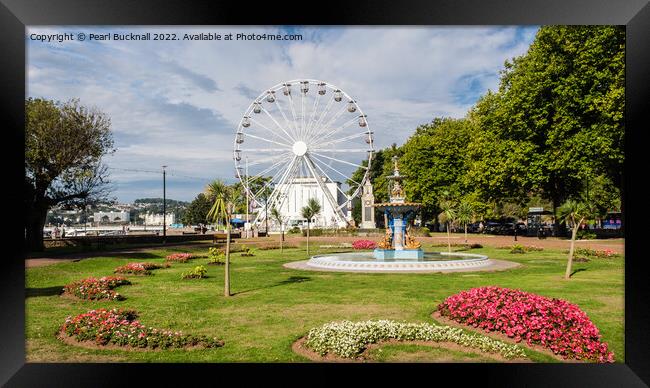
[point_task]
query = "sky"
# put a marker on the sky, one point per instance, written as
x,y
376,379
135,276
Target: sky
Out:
x,y
178,103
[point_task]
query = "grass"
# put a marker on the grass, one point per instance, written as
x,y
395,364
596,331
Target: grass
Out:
x,y
273,306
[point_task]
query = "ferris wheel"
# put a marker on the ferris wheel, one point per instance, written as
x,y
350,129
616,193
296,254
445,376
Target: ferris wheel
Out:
x,y
303,131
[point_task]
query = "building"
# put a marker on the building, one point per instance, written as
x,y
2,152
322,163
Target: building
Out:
x,y
367,208
157,219
106,217
300,190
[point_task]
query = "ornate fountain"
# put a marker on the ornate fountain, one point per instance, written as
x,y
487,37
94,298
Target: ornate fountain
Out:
x,y
397,243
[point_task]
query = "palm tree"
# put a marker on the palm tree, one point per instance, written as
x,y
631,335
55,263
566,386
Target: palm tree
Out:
x,y
309,212
225,198
448,215
574,212
465,215
277,217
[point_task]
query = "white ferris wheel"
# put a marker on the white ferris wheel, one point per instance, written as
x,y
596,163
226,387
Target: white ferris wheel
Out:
x,y
297,130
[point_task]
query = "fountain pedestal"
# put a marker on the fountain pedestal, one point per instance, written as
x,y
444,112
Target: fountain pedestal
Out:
x,y
397,245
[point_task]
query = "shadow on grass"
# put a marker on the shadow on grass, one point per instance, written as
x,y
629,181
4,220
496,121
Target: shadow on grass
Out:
x,y
290,280
45,291
576,271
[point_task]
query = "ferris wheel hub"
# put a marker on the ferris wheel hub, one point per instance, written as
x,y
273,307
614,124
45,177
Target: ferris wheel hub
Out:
x,y
299,148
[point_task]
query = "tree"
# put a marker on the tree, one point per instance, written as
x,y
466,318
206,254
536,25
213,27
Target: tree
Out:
x,y
574,213
310,211
557,118
465,214
64,146
224,200
448,216
433,159
197,211
277,217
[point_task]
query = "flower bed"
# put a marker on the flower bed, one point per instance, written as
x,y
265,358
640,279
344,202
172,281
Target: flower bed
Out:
x,y
139,268
120,327
601,253
180,257
518,248
348,339
94,289
364,244
553,323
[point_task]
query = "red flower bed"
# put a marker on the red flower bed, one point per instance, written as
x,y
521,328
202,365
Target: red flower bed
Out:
x,y
93,288
180,257
553,323
119,327
364,244
139,268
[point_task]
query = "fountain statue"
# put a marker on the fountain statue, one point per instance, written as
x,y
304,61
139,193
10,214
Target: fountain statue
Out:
x,y
397,243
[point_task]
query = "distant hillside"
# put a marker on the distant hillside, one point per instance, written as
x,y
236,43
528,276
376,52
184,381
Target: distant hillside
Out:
x,y
160,201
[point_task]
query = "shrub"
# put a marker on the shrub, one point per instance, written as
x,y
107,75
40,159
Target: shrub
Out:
x,y
249,251
294,230
418,231
585,235
364,244
216,256
517,249
349,339
119,327
180,257
604,253
95,289
139,268
197,273
553,323
312,232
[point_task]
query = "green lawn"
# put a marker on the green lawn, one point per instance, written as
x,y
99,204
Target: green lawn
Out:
x,y
273,306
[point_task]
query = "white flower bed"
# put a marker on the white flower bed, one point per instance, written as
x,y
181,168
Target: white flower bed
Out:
x,y
348,339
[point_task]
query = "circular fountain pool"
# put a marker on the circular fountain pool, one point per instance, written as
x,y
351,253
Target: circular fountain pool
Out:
x,y
431,262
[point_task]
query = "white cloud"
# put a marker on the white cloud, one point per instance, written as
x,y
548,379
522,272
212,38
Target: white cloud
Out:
x,y
178,103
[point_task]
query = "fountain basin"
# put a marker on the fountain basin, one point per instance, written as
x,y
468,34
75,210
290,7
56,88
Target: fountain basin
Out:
x,y
429,262
403,254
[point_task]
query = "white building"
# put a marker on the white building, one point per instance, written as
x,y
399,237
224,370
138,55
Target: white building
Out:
x,y
300,190
157,219
104,217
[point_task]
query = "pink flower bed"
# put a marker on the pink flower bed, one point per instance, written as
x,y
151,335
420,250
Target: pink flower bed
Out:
x,y
94,289
120,327
364,244
553,323
180,257
139,268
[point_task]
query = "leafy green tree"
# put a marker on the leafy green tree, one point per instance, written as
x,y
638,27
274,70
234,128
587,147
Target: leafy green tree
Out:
x,y
64,146
224,200
574,212
310,211
434,161
448,216
557,118
465,214
277,217
197,211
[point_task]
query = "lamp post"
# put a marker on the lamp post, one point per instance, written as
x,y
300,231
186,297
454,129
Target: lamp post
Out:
x,y
164,205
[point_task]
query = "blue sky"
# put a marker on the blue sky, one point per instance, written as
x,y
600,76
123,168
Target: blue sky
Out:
x,y
179,103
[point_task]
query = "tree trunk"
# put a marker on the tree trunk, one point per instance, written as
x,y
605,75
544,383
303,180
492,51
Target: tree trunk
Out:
x,y
281,239
226,290
307,237
574,232
465,233
34,233
448,239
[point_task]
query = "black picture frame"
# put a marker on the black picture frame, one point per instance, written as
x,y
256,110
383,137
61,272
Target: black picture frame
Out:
x,y
15,15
